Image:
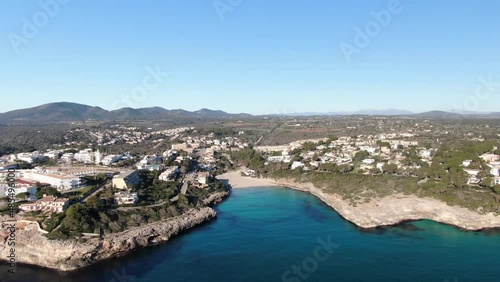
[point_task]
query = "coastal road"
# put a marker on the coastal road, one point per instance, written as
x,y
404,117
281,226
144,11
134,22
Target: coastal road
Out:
x,y
185,184
189,178
103,186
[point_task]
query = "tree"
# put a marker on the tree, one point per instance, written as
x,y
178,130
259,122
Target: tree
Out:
x,y
94,202
22,196
361,155
390,168
381,144
49,191
345,168
496,189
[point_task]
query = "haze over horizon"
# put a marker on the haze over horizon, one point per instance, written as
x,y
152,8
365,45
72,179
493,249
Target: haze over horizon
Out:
x,y
258,57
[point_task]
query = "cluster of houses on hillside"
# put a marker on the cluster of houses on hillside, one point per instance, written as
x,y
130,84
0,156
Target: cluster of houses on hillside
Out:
x,y
47,204
381,150
493,163
343,150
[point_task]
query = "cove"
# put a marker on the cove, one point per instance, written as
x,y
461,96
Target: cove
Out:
x,y
274,234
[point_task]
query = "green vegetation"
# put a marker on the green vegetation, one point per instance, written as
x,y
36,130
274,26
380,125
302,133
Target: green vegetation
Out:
x,y
49,191
77,194
102,216
358,188
445,179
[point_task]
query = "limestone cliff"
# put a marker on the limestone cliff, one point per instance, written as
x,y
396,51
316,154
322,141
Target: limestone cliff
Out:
x,y
398,208
35,249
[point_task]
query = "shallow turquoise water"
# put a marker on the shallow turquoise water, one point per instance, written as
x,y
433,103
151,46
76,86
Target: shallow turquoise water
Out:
x,y
261,233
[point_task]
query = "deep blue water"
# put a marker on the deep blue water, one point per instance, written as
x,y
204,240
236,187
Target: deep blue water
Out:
x,y
261,233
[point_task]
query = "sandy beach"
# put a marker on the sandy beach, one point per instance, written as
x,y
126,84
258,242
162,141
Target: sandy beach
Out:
x,y
237,181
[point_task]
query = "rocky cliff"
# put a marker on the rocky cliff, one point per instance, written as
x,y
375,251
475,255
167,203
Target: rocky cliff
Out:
x,y
35,249
216,198
398,208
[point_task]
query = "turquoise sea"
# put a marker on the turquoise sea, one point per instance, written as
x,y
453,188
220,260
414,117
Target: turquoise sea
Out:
x,y
277,234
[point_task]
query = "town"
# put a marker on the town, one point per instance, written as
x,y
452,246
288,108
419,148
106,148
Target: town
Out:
x,y
88,170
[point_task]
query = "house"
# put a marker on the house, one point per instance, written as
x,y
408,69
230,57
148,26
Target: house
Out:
x,y
496,181
426,154
368,161
473,176
276,159
125,198
169,173
47,203
380,166
467,163
296,165
180,147
126,180
61,181
202,177
490,157
495,171
85,156
111,159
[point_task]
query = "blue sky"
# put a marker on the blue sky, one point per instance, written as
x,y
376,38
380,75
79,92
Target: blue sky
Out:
x,y
257,56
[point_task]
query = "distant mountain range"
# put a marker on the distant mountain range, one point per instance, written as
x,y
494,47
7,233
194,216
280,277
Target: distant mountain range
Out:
x,y
64,111
368,112
403,113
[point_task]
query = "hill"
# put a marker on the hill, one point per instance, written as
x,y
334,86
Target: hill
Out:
x,y
64,111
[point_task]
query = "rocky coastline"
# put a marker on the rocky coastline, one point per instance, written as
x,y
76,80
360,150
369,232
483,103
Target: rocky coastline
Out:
x,y
387,211
397,209
32,248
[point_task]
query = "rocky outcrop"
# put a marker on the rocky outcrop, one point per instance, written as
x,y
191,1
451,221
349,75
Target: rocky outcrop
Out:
x,y
398,208
216,198
35,249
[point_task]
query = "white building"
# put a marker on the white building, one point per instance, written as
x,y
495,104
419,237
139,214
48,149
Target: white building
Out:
x,y
60,182
276,159
126,180
126,198
495,171
169,173
85,156
111,159
4,191
496,181
296,165
202,177
368,161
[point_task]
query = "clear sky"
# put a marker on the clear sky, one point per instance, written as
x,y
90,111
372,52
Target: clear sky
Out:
x,y
255,56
